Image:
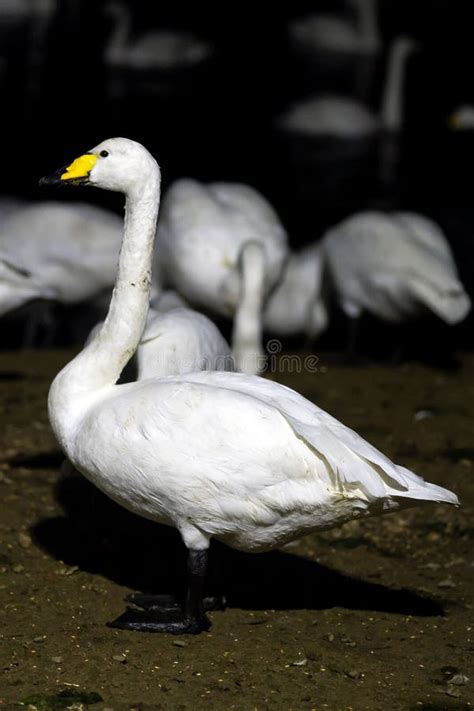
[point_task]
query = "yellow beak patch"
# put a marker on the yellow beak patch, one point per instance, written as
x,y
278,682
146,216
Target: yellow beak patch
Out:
x,y
81,167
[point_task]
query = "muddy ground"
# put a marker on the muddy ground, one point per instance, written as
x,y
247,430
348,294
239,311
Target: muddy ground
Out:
x,y
374,615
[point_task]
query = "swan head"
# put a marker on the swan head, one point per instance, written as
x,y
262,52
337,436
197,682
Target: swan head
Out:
x,y
117,164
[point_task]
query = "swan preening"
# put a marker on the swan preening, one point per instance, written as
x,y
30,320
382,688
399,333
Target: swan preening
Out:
x,y
396,267
216,454
222,247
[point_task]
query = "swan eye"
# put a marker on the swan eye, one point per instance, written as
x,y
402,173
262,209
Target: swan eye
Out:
x,y
104,154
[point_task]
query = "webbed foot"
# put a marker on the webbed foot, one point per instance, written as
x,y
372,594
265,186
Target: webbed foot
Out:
x,y
171,621
168,602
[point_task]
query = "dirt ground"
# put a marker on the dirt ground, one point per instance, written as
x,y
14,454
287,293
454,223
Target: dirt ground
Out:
x,y
374,615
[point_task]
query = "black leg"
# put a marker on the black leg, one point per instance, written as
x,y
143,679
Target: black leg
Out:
x,y
171,619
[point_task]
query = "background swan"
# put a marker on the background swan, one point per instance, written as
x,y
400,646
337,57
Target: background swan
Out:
x,y
342,117
337,42
352,124
225,455
178,340
67,251
395,266
296,306
156,49
222,247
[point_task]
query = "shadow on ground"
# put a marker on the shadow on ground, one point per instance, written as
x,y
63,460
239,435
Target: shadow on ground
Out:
x,y
102,538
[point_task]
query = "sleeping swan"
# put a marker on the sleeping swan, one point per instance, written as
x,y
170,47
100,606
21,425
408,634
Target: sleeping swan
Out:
x,y
216,454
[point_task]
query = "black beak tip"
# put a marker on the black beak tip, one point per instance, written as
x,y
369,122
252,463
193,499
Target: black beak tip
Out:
x,y
51,180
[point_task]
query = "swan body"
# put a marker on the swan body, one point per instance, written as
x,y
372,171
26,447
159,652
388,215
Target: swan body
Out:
x,y
344,118
222,247
395,266
65,252
296,305
178,340
215,454
330,115
158,49
319,32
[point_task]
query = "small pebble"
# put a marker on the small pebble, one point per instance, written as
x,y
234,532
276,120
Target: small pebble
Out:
x,y
453,691
24,539
38,639
68,569
329,637
354,674
18,568
300,662
57,660
179,643
120,658
459,680
423,415
448,583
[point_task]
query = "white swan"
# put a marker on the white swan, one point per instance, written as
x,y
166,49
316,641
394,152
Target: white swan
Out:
x,y
157,49
395,266
224,455
316,32
352,123
178,340
334,42
296,306
222,247
345,118
64,252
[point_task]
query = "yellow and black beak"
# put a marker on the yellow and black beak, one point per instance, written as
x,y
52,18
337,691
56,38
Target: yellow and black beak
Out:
x,y
77,173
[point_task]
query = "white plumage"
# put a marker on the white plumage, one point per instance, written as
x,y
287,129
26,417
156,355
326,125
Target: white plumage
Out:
x,y
181,341
395,266
178,340
222,247
66,252
296,305
344,118
319,32
162,50
224,455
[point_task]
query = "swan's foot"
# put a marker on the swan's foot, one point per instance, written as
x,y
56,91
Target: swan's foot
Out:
x,y
168,602
171,621
166,616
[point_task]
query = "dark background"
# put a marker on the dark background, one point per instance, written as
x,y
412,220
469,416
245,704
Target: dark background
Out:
x,y
217,123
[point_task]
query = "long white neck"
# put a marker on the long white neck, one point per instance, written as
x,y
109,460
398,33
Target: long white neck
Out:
x,y
392,99
121,32
367,21
100,363
247,330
